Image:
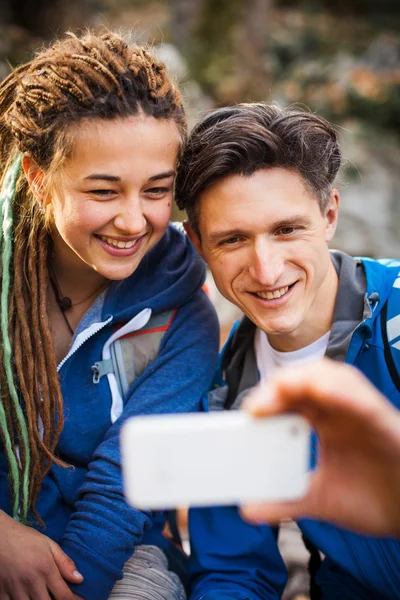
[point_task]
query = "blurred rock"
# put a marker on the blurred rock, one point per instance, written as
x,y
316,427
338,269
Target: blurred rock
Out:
x,y
369,220
196,101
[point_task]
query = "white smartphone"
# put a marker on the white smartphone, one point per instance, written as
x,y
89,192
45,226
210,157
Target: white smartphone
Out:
x,y
214,458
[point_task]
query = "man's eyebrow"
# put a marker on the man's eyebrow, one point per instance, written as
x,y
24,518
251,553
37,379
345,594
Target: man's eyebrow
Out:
x,y
220,234
292,220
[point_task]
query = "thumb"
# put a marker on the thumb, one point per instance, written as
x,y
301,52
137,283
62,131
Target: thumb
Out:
x,y
65,564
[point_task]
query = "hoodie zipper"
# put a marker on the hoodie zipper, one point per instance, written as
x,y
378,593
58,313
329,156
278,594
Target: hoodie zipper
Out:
x,y
81,338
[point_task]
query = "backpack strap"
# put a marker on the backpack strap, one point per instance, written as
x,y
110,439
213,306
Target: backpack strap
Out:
x,y
239,366
390,327
131,354
314,564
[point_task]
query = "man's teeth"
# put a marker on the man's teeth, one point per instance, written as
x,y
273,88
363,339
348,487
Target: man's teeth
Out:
x,y
117,243
272,295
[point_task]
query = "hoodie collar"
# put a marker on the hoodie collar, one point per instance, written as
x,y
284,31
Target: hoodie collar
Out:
x,y
167,277
351,307
358,301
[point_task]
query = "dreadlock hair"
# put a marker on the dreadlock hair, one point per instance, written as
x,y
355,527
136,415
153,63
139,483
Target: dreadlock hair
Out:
x,y
87,77
243,139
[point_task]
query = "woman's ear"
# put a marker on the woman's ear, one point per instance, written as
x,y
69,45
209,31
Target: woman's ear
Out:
x,y
34,176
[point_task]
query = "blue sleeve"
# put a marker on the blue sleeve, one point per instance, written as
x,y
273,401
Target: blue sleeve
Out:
x,y
231,559
103,531
355,562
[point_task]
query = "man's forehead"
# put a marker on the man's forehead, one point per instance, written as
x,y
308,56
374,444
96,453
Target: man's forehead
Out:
x,y
265,198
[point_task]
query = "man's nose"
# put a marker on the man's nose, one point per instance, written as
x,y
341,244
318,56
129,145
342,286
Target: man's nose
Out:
x,y
267,263
131,219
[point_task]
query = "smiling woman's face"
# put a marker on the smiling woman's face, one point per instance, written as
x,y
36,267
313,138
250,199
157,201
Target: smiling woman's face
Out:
x,y
111,201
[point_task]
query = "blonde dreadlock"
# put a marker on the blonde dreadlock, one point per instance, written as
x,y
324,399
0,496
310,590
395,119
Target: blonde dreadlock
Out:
x,y
76,78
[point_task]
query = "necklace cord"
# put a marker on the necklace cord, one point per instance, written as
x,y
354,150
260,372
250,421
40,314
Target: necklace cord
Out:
x,y
64,302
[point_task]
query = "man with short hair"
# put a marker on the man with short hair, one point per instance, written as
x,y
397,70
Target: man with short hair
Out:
x,y
257,183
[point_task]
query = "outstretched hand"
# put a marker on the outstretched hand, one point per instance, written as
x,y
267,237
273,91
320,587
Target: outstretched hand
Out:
x,y
357,482
32,565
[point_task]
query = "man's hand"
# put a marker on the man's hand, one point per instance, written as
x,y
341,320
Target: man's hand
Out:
x,y
32,565
357,482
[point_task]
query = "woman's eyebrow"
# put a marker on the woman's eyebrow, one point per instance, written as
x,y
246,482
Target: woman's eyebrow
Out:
x,y
103,176
162,175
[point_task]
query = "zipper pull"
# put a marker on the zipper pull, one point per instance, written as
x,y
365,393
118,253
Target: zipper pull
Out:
x,y
103,367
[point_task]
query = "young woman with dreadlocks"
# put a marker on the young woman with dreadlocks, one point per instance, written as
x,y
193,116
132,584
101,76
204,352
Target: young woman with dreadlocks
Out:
x,y
90,131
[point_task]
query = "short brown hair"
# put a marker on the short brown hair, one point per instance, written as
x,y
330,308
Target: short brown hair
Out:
x,y
243,139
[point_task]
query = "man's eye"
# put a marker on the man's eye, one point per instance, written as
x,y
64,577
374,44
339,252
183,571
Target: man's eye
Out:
x,y
287,230
232,240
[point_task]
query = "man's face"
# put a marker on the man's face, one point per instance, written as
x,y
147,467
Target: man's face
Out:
x,y
266,242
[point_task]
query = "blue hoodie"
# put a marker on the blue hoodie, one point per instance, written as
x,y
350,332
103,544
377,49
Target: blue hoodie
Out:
x,y
83,507
234,560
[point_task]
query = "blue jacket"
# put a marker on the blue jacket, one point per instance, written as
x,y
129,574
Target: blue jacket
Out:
x,y
233,560
83,507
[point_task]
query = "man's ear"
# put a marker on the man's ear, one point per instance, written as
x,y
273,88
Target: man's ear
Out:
x,y
34,175
193,237
331,215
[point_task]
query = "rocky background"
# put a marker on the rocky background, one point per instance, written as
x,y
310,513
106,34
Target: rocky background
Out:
x,y
341,59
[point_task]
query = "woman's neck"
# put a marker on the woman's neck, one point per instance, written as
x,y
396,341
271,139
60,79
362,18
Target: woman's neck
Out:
x,y
74,278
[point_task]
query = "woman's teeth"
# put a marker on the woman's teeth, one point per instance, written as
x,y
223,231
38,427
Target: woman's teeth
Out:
x,y
272,295
117,243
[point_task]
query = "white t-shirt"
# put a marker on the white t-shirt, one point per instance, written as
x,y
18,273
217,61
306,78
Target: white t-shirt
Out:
x,y
268,359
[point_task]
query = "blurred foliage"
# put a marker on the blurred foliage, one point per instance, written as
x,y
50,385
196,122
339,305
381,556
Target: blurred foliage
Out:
x,y
341,58
359,77
384,13
211,54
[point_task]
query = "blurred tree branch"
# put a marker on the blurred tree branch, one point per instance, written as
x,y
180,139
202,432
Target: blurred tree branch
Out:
x,y
225,43
47,18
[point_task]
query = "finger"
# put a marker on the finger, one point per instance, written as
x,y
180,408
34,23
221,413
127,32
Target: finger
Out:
x,y
58,589
39,592
326,384
292,389
16,593
317,391
272,399
273,512
5,596
270,513
262,401
65,564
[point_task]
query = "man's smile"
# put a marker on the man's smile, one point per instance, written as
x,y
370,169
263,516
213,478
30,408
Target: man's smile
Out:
x,y
273,294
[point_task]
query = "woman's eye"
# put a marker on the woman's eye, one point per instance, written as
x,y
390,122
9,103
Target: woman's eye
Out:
x,y
102,193
158,191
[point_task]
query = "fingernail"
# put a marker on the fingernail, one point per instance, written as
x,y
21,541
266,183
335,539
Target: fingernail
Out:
x,y
77,575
